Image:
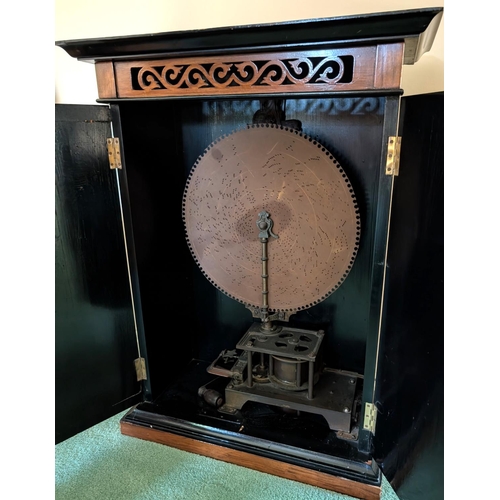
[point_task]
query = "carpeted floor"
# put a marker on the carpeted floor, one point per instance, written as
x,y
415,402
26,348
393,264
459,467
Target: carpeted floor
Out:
x,y
102,464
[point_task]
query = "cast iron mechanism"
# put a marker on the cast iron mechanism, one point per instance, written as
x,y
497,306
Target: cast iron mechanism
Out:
x,y
275,177
265,225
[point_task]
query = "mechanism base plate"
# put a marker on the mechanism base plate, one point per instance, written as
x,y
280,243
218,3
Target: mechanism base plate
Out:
x,y
333,398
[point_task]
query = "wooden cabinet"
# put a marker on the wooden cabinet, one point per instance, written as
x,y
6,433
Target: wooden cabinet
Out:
x,y
170,96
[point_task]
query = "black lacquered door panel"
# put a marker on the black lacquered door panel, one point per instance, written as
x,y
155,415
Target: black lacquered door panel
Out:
x,y
95,339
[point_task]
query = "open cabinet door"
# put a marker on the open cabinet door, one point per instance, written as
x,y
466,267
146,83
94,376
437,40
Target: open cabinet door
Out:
x,y
95,330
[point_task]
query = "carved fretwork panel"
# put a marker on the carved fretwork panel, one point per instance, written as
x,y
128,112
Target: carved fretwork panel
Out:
x,y
339,70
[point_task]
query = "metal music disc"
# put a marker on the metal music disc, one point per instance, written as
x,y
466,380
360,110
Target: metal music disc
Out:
x,y
311,203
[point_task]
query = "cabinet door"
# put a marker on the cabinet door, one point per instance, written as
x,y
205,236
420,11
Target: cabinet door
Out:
x,y
95,332
409,435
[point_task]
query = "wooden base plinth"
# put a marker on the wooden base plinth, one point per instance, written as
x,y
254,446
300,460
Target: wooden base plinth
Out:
x,y
251,461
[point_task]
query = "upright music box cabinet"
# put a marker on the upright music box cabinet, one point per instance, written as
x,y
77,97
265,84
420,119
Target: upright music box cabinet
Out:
x,y
281,241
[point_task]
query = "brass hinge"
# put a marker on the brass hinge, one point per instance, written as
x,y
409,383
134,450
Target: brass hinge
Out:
x,y
393,154
140,369
370,420
114,155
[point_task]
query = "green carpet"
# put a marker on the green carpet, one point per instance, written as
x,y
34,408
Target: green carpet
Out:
x,y
101,463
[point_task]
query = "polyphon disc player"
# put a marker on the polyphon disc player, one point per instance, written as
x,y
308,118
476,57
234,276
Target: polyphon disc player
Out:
x,y
272,221
286,319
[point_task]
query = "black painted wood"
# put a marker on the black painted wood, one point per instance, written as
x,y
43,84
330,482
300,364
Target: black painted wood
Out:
x,y
95,344
304,34
410,377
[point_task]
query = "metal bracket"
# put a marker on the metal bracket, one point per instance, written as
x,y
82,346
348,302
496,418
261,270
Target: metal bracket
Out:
x,y
140,369
276,316
393,154
114,154
370,420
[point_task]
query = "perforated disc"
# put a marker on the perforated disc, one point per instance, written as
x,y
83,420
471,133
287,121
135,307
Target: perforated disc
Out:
x,y
310,201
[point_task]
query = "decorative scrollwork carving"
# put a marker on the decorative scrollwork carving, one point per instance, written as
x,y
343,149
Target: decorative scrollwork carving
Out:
x,y
294,73
259,73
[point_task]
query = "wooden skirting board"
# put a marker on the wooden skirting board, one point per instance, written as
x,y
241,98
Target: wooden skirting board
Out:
x,y
251,461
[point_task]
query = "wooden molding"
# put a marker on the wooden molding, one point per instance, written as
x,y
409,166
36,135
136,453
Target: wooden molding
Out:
x,y
375,67
251,461
388,66
105,75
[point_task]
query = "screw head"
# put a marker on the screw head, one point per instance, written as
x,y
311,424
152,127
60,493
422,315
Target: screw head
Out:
x,y
347,410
